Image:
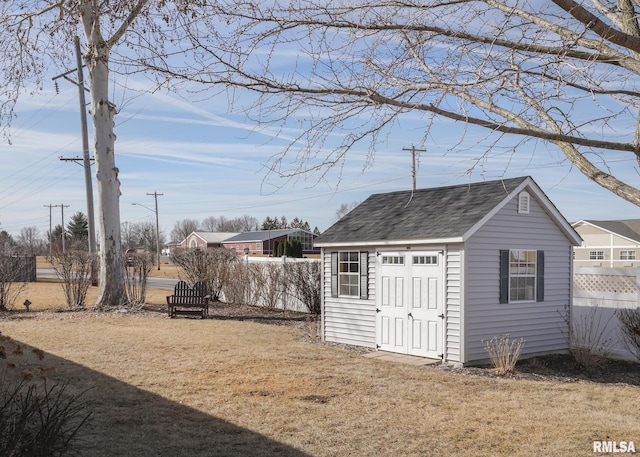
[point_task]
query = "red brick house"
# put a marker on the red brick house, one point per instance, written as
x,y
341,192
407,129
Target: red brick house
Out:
x,y
263,242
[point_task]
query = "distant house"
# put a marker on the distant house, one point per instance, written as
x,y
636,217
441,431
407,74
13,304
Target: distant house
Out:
x,y
435,272
263,242
205,240
612,244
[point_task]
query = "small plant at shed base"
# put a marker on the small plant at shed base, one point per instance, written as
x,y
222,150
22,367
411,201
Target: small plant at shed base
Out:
x,y
503,352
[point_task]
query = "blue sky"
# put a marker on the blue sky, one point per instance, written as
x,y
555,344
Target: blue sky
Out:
x,y
208,161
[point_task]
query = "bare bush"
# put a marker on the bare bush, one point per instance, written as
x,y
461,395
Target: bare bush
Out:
x,y
276,285
503,352
272,285
39,422
235,290
630,329
12,281
255,282
210,266
137,270
75,269
590,338
303,283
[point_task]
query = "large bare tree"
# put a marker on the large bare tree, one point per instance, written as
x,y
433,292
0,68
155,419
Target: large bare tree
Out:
x,y
564,72
118,36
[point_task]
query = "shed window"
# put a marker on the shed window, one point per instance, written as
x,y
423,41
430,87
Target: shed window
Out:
x,y
425,260
349,274
393,260
521,276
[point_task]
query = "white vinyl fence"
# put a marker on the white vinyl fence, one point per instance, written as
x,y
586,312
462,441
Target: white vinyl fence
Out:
x,y
598,293
275,282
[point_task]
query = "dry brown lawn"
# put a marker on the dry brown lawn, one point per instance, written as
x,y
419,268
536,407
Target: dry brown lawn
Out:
x,y
216,387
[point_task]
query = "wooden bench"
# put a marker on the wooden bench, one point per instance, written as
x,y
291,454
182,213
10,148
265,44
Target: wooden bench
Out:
x,y
189,300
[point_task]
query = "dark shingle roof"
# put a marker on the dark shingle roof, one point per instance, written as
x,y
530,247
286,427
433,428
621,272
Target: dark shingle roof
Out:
x,y
260,235
442,212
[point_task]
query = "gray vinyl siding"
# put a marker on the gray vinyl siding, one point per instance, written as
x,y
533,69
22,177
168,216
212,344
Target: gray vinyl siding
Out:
x,y
541,324
349,320
453,304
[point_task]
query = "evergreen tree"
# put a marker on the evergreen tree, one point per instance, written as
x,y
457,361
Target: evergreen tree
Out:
x,y
78,228
6,241
300,224
270,224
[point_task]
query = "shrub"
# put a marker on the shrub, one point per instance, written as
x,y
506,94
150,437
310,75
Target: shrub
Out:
x,y
75,269
235,291
303,282
210,266
271,285
36,419
39,422
630,329
11,281
590,339
504,352
137,270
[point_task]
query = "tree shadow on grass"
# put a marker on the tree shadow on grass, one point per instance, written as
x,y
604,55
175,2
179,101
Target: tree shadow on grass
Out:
x,y
128,421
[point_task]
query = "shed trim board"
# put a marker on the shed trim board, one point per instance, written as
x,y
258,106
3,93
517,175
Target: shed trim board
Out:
x,y
390,243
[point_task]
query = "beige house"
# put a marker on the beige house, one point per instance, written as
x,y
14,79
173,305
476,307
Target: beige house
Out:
x,y
204,240
610,244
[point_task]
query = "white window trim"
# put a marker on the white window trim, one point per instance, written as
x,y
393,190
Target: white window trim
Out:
x,y
342,274
533,275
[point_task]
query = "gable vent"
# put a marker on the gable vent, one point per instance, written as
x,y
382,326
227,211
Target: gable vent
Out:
x,y
524,200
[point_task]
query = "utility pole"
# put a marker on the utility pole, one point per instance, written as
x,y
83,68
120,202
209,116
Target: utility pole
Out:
x,y
50,232
62,206
155,196
413,163
85,144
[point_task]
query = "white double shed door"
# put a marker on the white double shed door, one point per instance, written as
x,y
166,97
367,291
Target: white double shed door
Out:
x,y
409,304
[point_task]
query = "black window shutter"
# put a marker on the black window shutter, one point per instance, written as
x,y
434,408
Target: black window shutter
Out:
x,y
540,277
504,276
364,275
334,274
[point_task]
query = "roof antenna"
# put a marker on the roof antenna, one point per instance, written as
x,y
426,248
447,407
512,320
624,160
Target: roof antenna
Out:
x,y
413,169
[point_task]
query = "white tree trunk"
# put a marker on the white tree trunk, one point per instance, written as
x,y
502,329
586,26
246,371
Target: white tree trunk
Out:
x,y
113,291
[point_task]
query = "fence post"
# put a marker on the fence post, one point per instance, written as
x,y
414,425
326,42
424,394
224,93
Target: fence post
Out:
x,y
284,283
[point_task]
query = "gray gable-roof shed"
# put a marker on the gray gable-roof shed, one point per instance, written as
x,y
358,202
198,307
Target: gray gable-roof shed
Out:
x,y
461,238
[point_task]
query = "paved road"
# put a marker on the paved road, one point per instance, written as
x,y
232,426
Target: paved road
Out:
x,y
153,283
